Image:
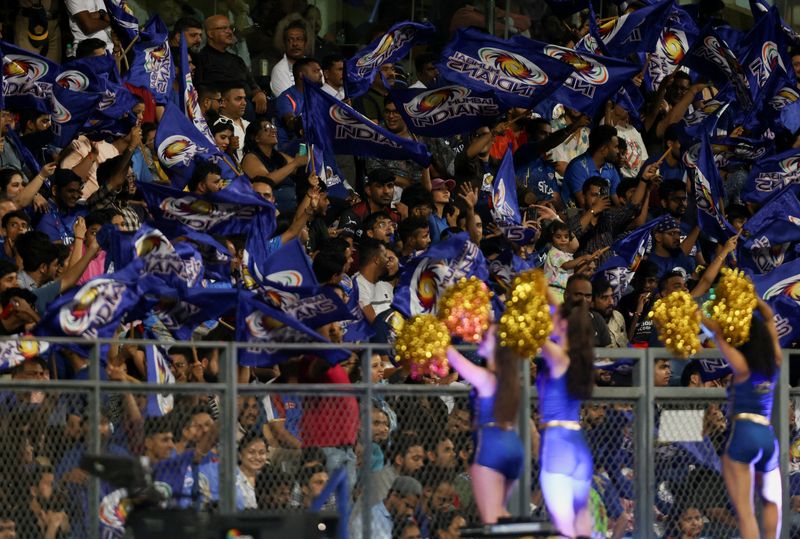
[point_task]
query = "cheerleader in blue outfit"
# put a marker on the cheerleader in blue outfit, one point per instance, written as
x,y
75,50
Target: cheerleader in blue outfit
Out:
x,y
565,381
498,455
751,454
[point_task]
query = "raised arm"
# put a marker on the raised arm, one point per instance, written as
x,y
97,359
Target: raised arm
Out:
x,y
769,320
735,358
482,379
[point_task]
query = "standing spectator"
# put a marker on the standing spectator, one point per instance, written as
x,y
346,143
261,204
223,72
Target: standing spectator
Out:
x,y
415,234
333,73
89,19
214,65
232,108
14,224
635,154
371,104
295,38
559,264
378,195
406,457
598,160
253,451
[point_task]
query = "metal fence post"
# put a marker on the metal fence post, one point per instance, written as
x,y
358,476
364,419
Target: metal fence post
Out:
x,y
780,420
228,428
645,424
520,504
94,445
366,429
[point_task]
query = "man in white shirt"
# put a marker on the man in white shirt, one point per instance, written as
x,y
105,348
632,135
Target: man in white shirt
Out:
x,y
333,72
427,72
89,18
234,103
374,295
294,43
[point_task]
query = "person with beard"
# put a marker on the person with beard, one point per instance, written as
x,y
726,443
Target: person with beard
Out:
x,y
44,516
406,457
379,193
603,305
371,104
668,253
374,295
192,30
399,503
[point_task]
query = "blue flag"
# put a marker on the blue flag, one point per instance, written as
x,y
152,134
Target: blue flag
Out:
x,y
760,8
28,79
505,208
323,164
769,236
631,33
257,323
595,80
124,22
289,265
14,352
632,247
189,98
765,55
357,329
616,271
446,111
29,163
709,195
780,288
517,72
340,129
229,211
152,66
630,98
712,57
770,175
679,34
92,311
362,67
158,372
428,275
714,368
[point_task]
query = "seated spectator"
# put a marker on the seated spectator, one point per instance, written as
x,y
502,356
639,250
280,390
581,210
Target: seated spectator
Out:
x,y
438,220
8,275
447,524
205,179
232,108
668,252
222,130
45,514
64,210
14,223
253,457
406,172
379,193
333,74
273,489
374,295
598,160
426,71
603,305
559,264
158,442
688,524
415,235
19,312
400,502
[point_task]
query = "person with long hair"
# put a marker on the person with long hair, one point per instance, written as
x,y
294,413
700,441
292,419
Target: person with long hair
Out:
x,y
498,457
751,454
566,380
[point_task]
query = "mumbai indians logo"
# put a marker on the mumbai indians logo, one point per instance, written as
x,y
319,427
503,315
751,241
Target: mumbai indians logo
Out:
x,y
178,150
784,97
19,68
342,117
502,208
446,103
388,45
673,45
94,305
425,286
513,66
350,127
261,326
762,67
60,113
153,242
286,278
790,165
707,109
73,80
158,63
587,69
789,287
201,214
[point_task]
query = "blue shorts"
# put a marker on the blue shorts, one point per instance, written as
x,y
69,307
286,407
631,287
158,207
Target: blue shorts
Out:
x,y
564,451
754,444
501,450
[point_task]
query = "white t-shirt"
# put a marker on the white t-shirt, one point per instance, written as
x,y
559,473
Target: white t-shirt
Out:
x,y
281,78
338,94
76,6
379,295
239,129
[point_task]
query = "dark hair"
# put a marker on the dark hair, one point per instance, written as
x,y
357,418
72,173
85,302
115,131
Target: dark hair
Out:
x,y
409,226
626,184
594,181
580,338
250,437
402,445
35,249
670,186
329,60
662,282
442,520
681,75
157,425
307,472
758,350
295,25
183,24
267,479
506,404
88,46
202,169
147,127
5,177
647,269
20,293
300,64
693,367
600,136
556,226
264,180
370,220
737,211
416,195
101,217
368,248
250,134
205,90
6,267
599,286
422,59
672,132
218,124
19,214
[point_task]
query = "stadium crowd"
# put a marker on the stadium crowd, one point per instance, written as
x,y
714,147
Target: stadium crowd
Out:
x,y
583,182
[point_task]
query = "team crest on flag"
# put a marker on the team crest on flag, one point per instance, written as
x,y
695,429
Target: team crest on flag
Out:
x,y
95,304
761,68
178,150
586,69
201,214
14,352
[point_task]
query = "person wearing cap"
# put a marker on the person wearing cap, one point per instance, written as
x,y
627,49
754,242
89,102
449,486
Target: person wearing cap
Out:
x,y
667,253
403,498
63,211
37,28
440,188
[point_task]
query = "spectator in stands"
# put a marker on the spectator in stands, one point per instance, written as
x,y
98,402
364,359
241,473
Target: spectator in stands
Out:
x,y
597,161
406,172
406,458
379,192
232,108
662,372
248,412
60,219
333,74
372,103
273,489
206,179
289,104
441,455
415,235
426,71
158,438
559,264
8,275
192,31
44,514
19,313
14,223
603,305
400,502
89,19
253,457
374,295
668,252
312,481
295,38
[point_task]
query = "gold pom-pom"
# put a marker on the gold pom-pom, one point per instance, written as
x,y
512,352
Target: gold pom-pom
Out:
x,y
733,306
677,321
422,341
466,309
527,322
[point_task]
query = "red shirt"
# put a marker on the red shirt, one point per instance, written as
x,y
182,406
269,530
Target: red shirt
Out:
x,y
149,102
328,421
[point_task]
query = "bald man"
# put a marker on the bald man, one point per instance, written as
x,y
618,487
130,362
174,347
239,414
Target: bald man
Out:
x,y
215,66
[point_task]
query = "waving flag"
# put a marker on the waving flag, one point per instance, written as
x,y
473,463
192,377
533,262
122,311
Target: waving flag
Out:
x,y
30,164
760,8
190,100
445,111
158,372
595,80
765,55
323,164
780,288
615,270
632,32
770,175
230,211
361,68
632,247
505,208
357,329
14,352
152,66
342,130
259,323
517,72
428,275
679,34
124,22
769,236
630,98
28,78
289,265
713,57
714,368
709,195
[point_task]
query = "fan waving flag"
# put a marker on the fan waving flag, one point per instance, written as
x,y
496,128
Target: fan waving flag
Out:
x,y
323,164
632,247
678,35
124,22
428,275
188,95
505,207
765,54
28,79
770,175
709,195
361,69
152,67
631,33
158,372
16,351
342,130
714,58
445,111
769,237
780,288
289,265
518,73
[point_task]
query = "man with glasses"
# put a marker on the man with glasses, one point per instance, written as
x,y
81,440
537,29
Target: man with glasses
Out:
x,y
214,65
210,98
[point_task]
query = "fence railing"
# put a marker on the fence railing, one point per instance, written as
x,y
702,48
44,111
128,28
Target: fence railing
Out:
x,y
655,448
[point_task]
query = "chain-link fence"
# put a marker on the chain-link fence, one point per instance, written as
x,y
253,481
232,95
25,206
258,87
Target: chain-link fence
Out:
x,y
352,441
